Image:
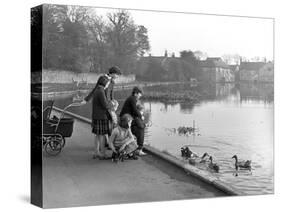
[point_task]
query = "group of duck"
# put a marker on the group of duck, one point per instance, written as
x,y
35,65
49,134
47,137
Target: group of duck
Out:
x,y
194,159
185,130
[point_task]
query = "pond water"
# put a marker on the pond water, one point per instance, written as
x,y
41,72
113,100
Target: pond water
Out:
x,y
229,120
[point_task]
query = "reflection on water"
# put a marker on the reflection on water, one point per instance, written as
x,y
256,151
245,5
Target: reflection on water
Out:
x,y
232,119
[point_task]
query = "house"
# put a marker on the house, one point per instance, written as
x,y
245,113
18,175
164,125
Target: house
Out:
x,y
235,70
257,71
215,70
266,73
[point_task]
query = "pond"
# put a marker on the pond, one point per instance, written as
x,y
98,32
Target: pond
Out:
x,y
229,120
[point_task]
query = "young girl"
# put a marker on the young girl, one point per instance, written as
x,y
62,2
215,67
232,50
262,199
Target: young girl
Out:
x,y
122,138
100,123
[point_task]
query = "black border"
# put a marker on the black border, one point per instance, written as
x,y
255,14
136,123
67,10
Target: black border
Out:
x,y
36,190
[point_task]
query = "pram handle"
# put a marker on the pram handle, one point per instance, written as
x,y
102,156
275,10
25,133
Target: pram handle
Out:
x,y
74,104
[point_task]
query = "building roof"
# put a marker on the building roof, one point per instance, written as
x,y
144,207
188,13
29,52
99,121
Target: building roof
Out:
x,y
213,62
251,65
213,58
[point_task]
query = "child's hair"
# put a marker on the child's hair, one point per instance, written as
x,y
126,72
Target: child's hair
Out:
x,y
140,107
124,121
136,90
114,70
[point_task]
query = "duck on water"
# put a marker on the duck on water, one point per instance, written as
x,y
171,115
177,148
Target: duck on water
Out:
x,y
242,164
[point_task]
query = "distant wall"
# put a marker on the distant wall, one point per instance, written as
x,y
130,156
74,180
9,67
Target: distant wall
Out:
x,y
50,76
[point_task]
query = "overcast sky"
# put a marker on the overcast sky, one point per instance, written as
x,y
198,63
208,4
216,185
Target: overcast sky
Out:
x,y
215,35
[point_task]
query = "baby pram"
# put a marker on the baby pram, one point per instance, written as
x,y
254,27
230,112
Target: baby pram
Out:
x,y
55,129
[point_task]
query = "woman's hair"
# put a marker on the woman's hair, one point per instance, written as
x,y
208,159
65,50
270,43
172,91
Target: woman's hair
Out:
x,y
103,80
124,121
136,90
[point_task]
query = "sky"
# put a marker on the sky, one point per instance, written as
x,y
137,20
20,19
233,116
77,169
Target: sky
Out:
x,y
216,35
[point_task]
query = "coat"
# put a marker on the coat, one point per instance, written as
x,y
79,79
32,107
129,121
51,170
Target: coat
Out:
x,y
138,122
130,107
100,104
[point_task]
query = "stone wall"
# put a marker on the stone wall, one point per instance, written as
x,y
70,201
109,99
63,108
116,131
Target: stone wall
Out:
x,y
51,76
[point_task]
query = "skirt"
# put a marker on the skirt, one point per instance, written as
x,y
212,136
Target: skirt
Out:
x,y
100,126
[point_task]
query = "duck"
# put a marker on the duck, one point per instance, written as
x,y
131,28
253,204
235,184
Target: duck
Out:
x,y
186,152
203,158
213,166
242,164
197,159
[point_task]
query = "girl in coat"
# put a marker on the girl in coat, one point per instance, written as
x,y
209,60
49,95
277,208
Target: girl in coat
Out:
x,y
100,122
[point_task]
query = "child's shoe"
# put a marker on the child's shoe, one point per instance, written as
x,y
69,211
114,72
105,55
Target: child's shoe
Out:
x,y
141,153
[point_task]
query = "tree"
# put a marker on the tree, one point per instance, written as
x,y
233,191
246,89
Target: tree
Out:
x,y
76,39
53,18
200,55
97,45
126,40
154,72
193,68
65,37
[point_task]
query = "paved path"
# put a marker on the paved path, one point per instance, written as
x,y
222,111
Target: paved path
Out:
x,y
73,178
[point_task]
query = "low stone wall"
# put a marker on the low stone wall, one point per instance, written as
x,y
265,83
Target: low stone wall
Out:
x,y
58,76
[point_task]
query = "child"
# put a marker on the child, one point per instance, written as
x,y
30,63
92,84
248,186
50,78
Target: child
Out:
x,y
121,138
113,104
138,126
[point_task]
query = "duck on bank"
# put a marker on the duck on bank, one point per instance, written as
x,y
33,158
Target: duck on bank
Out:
x,y
213,166
192,157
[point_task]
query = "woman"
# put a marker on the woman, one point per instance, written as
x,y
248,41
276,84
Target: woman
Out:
x,y
100,123
122,139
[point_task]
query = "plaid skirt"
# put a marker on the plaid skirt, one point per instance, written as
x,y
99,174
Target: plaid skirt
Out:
x,y
100,126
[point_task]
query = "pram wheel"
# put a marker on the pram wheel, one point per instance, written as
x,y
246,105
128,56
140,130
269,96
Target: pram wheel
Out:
x,y
53,146
62,142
